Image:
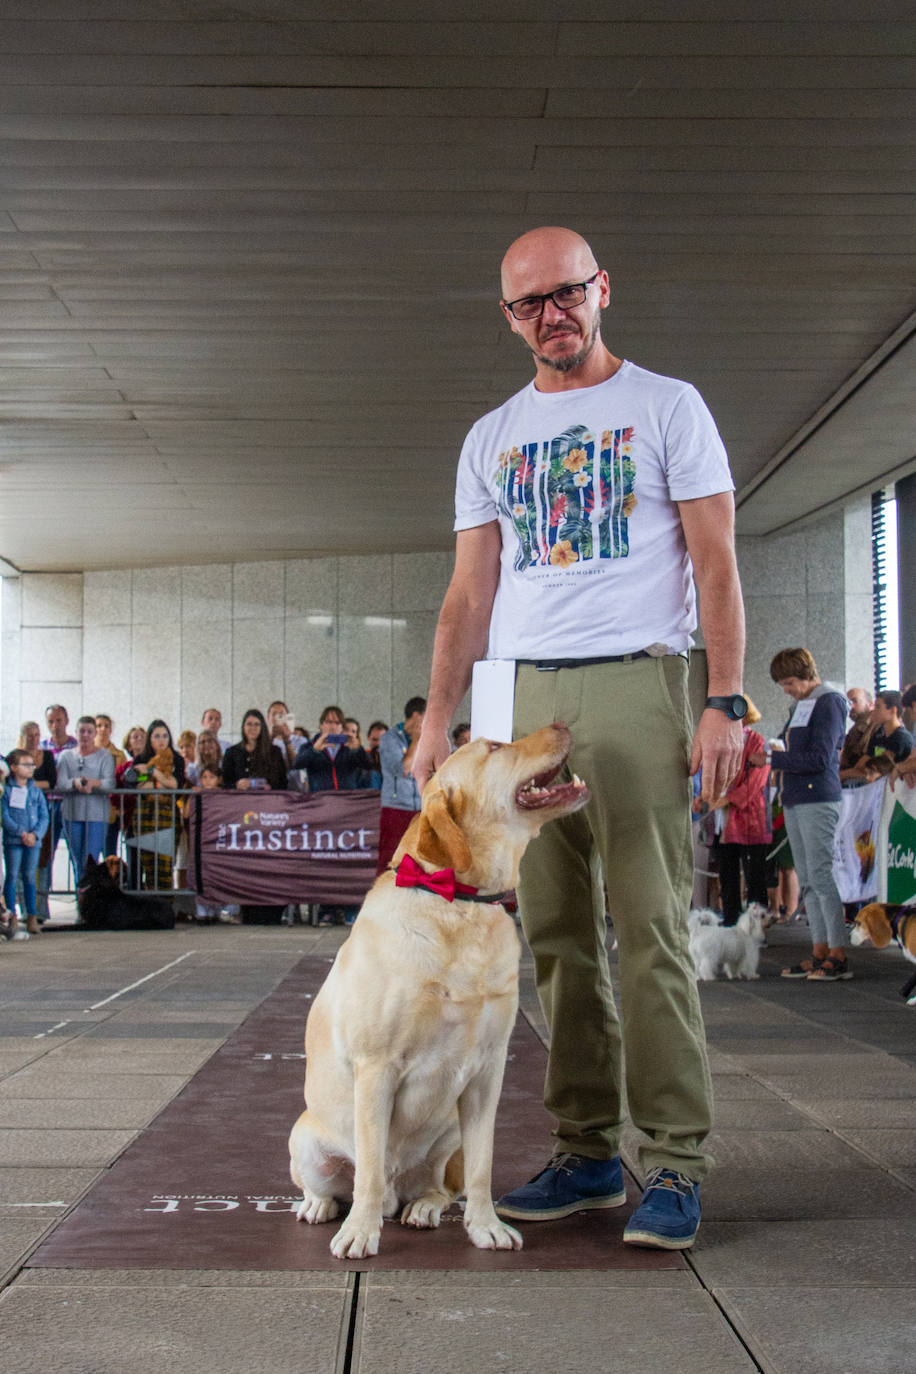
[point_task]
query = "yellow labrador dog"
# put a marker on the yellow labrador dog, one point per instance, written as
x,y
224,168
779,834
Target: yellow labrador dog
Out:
x,y
406,1041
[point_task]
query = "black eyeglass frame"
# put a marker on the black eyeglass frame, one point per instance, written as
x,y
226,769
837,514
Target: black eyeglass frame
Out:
x,y
551,296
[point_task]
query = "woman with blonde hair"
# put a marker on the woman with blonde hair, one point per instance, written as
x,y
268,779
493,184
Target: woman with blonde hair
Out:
x,y
185,744
45,775
209,755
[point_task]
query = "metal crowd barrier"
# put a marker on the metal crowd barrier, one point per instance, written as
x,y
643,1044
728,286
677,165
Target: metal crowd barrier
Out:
x,y
141,839
154,831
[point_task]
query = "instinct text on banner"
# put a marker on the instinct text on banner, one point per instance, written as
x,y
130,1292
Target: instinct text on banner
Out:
x,y
273,848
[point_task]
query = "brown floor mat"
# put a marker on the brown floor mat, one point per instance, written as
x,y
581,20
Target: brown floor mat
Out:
x,y
206,1185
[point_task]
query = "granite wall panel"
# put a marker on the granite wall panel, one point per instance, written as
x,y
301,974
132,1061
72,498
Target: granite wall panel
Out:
x,y
52,599
358,631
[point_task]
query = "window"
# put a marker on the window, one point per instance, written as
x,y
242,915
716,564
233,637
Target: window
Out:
x,y
884,588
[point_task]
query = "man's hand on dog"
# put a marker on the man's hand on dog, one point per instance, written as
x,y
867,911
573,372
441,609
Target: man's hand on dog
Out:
x,y
432,750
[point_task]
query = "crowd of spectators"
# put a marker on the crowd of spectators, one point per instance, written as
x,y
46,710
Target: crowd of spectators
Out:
x,y
92,792
769,839
747,837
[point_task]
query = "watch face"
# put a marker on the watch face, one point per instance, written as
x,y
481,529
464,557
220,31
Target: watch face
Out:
x,y
739,706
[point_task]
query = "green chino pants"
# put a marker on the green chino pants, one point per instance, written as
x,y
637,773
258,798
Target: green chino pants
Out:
x,y
631,732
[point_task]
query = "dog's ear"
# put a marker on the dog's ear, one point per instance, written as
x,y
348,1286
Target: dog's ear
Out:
x,y
440,839
875,920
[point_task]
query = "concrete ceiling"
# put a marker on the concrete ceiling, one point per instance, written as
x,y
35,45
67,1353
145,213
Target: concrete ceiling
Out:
x,y
249,254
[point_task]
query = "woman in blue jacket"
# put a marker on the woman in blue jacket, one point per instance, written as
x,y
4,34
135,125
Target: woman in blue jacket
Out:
x,y
25,820
809,770
329,760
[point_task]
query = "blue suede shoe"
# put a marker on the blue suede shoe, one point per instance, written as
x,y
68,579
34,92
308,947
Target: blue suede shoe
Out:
x,y
570,1183
668,1217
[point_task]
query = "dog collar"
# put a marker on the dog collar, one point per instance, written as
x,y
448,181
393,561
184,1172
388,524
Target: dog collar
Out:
x,y
443,883
899,922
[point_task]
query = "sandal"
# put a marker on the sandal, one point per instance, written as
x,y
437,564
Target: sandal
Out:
x,y
830,971
805,969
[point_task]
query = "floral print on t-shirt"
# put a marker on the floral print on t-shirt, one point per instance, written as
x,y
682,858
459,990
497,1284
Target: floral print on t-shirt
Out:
x,y
569,498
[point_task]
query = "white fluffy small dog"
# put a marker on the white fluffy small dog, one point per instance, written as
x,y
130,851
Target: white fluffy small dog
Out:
x,y
698,917
735,950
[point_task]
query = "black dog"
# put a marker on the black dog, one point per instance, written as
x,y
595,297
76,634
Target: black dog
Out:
x,y
103,906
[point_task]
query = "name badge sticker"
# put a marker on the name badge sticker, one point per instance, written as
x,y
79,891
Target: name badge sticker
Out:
x,y
802,713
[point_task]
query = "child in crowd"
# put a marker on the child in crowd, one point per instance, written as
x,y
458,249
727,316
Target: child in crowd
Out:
x,y
187,742
211,780
25,820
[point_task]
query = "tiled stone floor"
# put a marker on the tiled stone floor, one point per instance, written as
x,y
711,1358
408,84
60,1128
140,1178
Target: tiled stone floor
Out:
x,y
804,1263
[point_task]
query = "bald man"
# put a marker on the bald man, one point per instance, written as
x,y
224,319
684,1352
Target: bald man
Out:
x,y
586,506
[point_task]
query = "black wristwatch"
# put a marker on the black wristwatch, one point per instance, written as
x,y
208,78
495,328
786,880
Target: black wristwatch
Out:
x,y
735,707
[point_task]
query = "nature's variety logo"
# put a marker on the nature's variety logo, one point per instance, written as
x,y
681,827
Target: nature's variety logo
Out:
x,y
265,818
569,498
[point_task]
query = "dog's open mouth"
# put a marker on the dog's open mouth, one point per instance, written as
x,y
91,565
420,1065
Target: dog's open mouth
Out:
x,y
537,792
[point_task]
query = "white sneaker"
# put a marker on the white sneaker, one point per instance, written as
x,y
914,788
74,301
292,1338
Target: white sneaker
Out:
x,y
20,935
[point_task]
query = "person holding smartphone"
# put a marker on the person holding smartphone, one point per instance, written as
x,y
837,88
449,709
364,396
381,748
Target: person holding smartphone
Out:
x,y
332,764
330,761
281,722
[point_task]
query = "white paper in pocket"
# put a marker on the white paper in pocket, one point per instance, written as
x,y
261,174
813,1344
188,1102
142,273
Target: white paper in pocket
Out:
x,y
493,699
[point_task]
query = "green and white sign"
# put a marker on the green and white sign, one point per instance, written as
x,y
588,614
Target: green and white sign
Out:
x,y
897,846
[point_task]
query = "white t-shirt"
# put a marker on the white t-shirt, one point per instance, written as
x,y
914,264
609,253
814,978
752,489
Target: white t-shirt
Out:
x,y
584,484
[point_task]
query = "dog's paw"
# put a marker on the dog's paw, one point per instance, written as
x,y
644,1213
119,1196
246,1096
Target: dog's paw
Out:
x,y
317,1209
423,1212
494,1235
356,1240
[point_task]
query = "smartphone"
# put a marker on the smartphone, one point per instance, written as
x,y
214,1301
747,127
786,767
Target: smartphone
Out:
x,y
338,739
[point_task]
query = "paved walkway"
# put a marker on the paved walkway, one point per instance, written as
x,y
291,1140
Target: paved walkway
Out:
x,y
804,1264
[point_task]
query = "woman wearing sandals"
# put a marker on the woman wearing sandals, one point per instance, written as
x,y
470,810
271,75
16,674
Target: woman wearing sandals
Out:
x,y
811,794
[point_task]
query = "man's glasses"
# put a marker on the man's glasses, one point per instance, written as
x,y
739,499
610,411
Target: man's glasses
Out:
x,y
564,298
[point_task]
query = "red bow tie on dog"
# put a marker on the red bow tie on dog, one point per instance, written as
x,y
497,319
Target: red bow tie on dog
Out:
x,y
443,883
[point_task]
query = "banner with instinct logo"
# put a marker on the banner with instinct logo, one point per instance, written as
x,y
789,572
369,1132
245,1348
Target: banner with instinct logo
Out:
x,y
272,848
897,845
855,842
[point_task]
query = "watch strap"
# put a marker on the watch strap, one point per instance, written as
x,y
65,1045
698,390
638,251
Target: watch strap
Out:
x,y
730,705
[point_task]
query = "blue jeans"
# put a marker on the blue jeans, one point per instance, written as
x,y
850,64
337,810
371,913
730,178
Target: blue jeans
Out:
x,y
84,838
20,861
811,827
